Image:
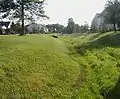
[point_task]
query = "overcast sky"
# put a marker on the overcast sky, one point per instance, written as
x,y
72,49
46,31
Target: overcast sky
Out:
x,y
80,10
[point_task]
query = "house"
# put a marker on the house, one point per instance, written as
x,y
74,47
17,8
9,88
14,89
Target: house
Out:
x,y
4,25
99,24
34,27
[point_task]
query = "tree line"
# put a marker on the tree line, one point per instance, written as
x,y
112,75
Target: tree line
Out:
x,y
22,10
70,28
31,10
111,15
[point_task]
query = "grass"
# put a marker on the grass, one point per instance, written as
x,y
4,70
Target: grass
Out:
x,y
98,56
35,67
81,66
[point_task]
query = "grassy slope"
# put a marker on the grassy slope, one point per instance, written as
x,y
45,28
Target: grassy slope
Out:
x,y
71,67
98,56
36,67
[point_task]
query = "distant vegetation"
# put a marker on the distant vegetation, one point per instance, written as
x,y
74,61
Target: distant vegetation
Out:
x,y
69,29
108,19
25,11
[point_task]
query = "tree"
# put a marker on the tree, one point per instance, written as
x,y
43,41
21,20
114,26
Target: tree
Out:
x,y
55,28
93,27
71,26
95,23
22,17
77,28
16,28
82,28
59,28
29,10
86,27
111,12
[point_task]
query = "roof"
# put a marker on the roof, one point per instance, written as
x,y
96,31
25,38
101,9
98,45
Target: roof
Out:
x,y
6,23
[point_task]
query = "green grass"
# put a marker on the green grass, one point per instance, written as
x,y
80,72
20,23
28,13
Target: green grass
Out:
x,y
79,66
98,56
35,67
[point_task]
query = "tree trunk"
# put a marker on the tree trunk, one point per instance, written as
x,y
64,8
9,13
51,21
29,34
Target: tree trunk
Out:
x,y
22,18
114,27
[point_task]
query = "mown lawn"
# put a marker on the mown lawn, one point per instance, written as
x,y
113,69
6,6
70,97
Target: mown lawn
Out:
x,y
79,66
35,67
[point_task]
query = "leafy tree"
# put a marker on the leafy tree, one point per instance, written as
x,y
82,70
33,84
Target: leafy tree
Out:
x,y
22,10
93,27
82,28
59,28
86,26
77,28
51,28
16,28
111,12
55,28
71,26
95,23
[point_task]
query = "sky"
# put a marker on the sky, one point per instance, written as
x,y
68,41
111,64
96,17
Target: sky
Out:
x,y
60,11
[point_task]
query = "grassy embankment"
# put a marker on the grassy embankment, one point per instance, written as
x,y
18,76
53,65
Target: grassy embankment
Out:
x,y
70,67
